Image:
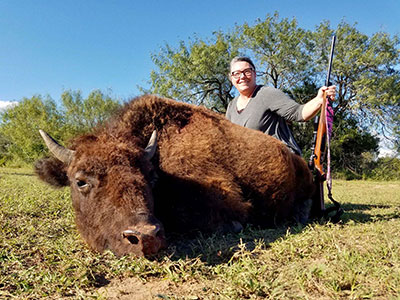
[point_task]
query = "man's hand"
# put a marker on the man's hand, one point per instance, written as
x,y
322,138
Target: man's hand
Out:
x,y
329,92
312,107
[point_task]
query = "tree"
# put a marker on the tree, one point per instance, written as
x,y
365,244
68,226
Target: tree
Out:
x,y
366,73
19,126
81,115
4,149
385,168
21,123
196,72
352,150
365,70
282,51
303,131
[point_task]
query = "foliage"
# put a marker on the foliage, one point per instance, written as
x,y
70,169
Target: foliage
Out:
x,y
281,49
4,146
196,72
352,150
385,168
367,75
19,127
81,115
365,71
43,257
303,131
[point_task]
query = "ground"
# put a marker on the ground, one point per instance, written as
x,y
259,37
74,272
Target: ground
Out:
x,y
43,257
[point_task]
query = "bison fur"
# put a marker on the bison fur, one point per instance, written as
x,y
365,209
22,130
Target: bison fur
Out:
x,y
206,175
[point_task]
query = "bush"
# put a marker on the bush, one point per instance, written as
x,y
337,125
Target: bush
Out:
x,y
386,169
20,142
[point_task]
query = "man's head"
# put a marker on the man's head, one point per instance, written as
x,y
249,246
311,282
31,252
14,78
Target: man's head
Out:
x,y
241,59
243,75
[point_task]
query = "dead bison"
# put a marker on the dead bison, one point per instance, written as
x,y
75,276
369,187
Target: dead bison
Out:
x,y
163,166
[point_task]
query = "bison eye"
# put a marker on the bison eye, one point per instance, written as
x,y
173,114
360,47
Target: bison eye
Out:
x,y
83,186
81,183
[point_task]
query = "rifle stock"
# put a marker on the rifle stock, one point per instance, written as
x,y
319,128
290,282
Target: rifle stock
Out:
x,y
320,141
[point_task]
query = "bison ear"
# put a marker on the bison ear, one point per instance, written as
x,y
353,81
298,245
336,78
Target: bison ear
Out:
x,y
52,171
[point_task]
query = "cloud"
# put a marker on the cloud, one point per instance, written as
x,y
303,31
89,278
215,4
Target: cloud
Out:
x,y
7,104
384,152
386,147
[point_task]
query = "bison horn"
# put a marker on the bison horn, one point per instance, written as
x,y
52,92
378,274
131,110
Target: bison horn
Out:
x,y
61,153
151,147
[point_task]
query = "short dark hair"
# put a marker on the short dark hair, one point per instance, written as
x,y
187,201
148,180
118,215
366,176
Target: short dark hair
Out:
x,y
242,58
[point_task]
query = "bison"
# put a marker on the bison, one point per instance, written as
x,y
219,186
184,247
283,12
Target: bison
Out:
x,y
160,167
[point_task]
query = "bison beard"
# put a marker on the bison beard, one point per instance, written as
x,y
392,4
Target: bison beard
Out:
x,y
206,174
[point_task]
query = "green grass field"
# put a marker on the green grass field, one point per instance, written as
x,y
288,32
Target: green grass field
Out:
x,y
42,255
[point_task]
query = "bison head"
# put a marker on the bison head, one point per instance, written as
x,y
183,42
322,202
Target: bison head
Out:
x,y
111,193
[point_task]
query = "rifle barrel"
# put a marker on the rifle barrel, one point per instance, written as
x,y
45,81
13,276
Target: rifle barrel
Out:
x,y
328,76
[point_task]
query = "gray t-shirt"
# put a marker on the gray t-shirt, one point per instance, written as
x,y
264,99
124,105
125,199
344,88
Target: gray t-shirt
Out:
x,y
267,111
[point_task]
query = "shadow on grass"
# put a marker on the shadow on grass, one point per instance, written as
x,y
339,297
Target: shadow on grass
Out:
x,y
362,213
219,248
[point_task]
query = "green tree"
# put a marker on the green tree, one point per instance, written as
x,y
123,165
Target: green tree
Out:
x,y
353,151
282,51
20,140
4,150
385,168
80,115
303,131
196,72
366,73
20,126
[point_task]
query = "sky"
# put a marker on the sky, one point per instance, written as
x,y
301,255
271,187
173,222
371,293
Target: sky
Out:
x,y
47,47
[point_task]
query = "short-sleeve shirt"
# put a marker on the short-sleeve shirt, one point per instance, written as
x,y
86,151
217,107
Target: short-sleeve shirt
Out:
x,y
267,111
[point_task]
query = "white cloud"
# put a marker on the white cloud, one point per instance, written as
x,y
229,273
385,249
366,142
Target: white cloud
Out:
x,y
384,152
386,147
5,104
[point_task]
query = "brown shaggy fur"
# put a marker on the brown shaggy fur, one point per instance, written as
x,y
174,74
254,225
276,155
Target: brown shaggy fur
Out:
x,y
210,175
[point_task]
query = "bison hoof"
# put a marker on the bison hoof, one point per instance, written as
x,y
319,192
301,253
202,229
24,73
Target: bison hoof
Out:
x,y
236,227
231,227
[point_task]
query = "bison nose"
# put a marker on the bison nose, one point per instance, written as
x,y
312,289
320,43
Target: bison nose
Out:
x,y
148,238
132,236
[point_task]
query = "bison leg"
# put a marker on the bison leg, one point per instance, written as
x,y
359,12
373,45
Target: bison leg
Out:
x,y
301,211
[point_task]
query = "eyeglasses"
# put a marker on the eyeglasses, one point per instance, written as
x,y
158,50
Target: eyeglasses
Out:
x,y
246,72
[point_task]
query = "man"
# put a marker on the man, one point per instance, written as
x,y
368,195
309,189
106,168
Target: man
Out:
x,y
268,109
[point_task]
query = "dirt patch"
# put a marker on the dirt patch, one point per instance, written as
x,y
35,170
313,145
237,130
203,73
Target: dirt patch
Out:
x,y
134,288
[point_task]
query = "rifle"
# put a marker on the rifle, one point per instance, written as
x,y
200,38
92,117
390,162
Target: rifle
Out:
x,y
321,142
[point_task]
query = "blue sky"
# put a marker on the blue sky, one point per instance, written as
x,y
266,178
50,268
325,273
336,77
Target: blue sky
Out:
x,y
47,47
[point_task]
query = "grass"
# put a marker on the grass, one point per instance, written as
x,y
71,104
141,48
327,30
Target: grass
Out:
x,y
42,255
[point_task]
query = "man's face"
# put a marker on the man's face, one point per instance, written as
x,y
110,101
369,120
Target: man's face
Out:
x,y
243,77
